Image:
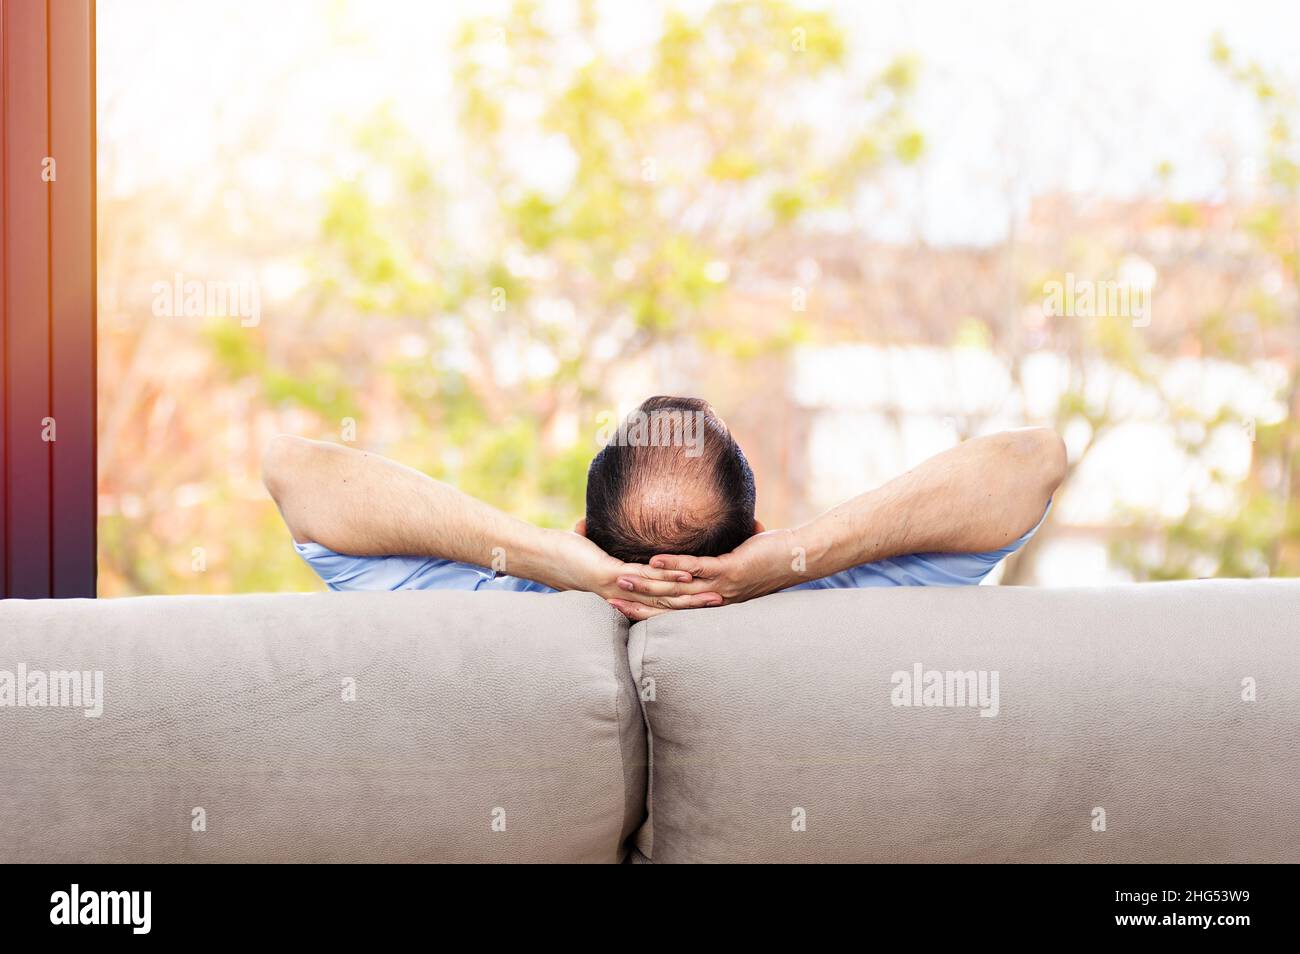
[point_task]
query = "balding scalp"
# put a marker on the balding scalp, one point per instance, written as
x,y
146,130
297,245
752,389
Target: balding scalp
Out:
x,y
671,480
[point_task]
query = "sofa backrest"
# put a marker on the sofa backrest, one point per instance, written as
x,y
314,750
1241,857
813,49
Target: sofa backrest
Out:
x,y
1138,723
1152,722
324,727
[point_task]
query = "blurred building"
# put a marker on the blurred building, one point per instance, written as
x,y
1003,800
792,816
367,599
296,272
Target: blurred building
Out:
x,y
913,348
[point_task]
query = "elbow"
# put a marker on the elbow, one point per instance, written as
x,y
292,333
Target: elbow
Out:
x,y
281,456
1051,462
1035,458
284,462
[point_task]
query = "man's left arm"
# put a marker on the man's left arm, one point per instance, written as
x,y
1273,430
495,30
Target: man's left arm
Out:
x,y
361,504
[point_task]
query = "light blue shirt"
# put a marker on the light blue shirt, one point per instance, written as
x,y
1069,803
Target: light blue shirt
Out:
x,y
342,572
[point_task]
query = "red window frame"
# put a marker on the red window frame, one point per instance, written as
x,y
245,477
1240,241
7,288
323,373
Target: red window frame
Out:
x,y
47,298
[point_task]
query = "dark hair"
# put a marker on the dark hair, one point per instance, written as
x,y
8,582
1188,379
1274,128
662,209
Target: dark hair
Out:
x,y
632,485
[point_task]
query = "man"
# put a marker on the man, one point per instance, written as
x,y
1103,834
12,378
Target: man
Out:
x,y
670,520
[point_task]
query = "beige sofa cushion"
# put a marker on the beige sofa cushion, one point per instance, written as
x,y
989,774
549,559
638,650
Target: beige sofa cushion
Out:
x,y
1125,700
465,703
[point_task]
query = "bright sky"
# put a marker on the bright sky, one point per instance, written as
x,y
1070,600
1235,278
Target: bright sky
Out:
x,y
1016,97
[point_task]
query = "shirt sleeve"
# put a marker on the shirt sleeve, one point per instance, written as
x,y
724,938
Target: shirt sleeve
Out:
x,y
924,569
340,571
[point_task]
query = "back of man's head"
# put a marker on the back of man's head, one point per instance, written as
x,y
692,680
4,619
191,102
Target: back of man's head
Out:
x,y
671,480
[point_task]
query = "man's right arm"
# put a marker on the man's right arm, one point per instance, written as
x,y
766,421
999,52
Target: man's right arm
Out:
x,y
980,496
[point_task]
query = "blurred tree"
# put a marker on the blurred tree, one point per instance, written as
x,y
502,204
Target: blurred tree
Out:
x,y
608,196
466,304
615,209
1259,532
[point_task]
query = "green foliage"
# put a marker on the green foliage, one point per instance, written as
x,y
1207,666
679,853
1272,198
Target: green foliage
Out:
x,y
972,333
680,157
1259,532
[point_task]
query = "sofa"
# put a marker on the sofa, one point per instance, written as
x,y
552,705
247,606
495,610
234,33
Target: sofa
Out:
x,y
1138,723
